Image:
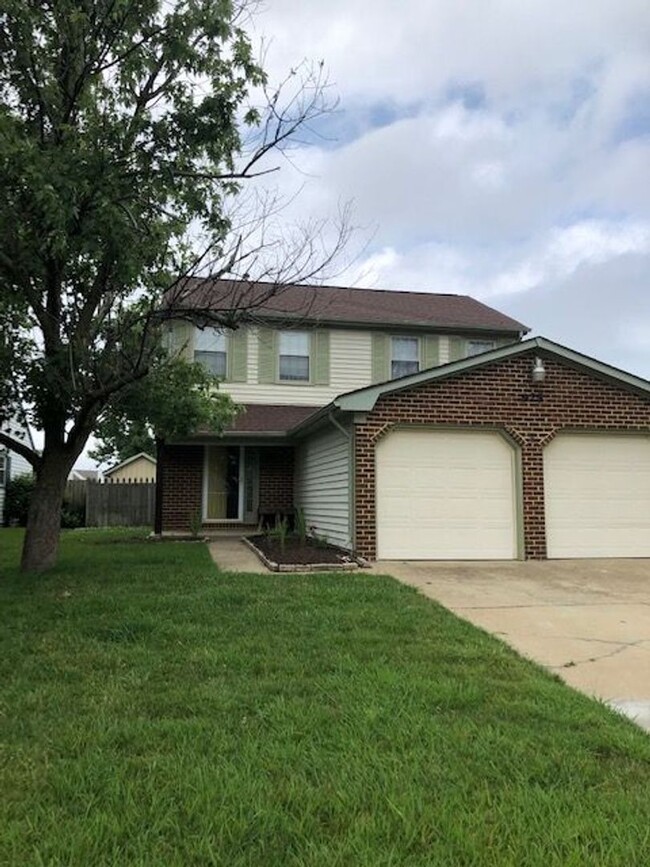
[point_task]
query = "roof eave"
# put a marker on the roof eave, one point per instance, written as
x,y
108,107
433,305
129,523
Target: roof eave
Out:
x,y
373,325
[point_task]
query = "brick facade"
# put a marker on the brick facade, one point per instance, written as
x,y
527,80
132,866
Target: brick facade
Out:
x,y
500,395
182,496
276,480
182,486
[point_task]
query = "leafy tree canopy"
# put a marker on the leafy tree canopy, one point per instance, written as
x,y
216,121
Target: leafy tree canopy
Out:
x,y
174,400
122,135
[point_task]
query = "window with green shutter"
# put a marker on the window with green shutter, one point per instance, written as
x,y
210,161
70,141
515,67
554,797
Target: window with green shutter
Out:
x,y
320,357
457,348
267,355
380,357
211,350
294,356
238,355
430,351
180,339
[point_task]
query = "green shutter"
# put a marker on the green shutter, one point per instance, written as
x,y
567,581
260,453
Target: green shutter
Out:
x,y
380,357
457,348
238,355
430,352
320,358
181,339
267,355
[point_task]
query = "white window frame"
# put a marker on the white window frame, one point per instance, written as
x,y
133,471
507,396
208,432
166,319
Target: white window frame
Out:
x,y
280,378
212,333
3,469
488,346
392,358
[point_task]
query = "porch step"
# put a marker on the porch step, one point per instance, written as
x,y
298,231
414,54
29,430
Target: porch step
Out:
x,y
235,531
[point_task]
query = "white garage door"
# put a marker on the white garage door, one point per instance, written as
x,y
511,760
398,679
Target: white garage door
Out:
x,y
597,490
445,496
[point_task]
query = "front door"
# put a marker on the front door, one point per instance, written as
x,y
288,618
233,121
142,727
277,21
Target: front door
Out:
x,y
223,474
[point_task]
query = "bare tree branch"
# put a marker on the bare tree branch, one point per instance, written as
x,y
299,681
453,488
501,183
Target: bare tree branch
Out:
x,y
20,448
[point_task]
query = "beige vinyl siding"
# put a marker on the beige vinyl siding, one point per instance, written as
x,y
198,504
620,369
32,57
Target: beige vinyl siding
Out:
x,y
349,368
141,470
322,484
18,466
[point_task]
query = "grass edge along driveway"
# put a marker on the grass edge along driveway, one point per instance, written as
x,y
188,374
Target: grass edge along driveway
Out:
x,y
156,711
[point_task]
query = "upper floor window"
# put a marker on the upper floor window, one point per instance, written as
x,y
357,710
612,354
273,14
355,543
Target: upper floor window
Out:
x,y
3,469
475,347
405,356
211,350
294,356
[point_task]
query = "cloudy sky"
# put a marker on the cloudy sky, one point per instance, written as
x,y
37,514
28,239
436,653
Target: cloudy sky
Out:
x,y
498,148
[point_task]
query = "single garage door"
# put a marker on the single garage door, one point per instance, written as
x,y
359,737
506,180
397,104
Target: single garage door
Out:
x,y
597,490
445,496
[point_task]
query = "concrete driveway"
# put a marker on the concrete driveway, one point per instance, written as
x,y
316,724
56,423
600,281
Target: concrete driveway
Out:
x,y
586,620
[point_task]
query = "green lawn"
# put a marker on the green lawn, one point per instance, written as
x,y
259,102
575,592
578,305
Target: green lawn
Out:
x,y
156,712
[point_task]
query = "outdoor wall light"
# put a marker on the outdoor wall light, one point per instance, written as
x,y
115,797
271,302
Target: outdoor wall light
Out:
x,y
539,371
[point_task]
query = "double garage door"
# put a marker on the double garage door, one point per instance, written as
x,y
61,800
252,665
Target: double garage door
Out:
x,y
451,495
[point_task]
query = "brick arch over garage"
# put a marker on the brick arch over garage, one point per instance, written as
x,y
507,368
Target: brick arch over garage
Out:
x,y
499,395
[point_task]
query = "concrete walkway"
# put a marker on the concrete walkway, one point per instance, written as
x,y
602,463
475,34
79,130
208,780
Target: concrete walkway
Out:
x,y
231,555
586,620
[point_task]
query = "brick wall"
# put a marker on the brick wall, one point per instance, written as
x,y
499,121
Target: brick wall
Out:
x,y
500,395
276,479
182,486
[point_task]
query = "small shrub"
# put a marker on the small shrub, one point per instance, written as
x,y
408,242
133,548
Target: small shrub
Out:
x,y
195,522
301,524
281,531
73,516
17,496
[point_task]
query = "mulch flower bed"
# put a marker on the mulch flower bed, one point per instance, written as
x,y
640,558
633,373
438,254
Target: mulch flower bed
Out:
x,y
297,553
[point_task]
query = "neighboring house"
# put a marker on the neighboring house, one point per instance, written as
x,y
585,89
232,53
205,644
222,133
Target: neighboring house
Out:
x,y
12,464
414,426
80,475
139,468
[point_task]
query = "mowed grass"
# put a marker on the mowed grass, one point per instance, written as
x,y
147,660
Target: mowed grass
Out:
x,y
157,712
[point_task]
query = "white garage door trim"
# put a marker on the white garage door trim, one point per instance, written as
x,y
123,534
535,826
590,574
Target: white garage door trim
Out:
x,y
446,494
597,495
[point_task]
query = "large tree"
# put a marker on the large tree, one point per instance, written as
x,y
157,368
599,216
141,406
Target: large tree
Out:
x,y
125,127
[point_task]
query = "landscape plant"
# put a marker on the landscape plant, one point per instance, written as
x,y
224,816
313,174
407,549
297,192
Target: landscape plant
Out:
x,y
300,524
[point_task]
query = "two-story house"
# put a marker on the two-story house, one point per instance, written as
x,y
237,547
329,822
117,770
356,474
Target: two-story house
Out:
x,y
411,425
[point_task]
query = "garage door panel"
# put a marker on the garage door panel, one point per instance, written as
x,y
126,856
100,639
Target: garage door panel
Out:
x,y
445,495
597,492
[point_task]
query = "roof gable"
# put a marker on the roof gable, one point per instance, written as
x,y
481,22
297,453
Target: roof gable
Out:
x,y
364,399
128,461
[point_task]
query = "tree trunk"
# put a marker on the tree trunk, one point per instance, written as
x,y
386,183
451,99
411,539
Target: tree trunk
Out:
x,y
160,458
41,545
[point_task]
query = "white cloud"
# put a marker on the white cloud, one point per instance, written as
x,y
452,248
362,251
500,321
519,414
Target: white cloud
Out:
x,y
490,149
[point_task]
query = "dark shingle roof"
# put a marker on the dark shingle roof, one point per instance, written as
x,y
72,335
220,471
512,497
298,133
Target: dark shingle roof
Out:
x,y
269,418
334,304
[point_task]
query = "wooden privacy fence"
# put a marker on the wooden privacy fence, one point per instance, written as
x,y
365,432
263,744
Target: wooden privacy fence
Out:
x,y
128,504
